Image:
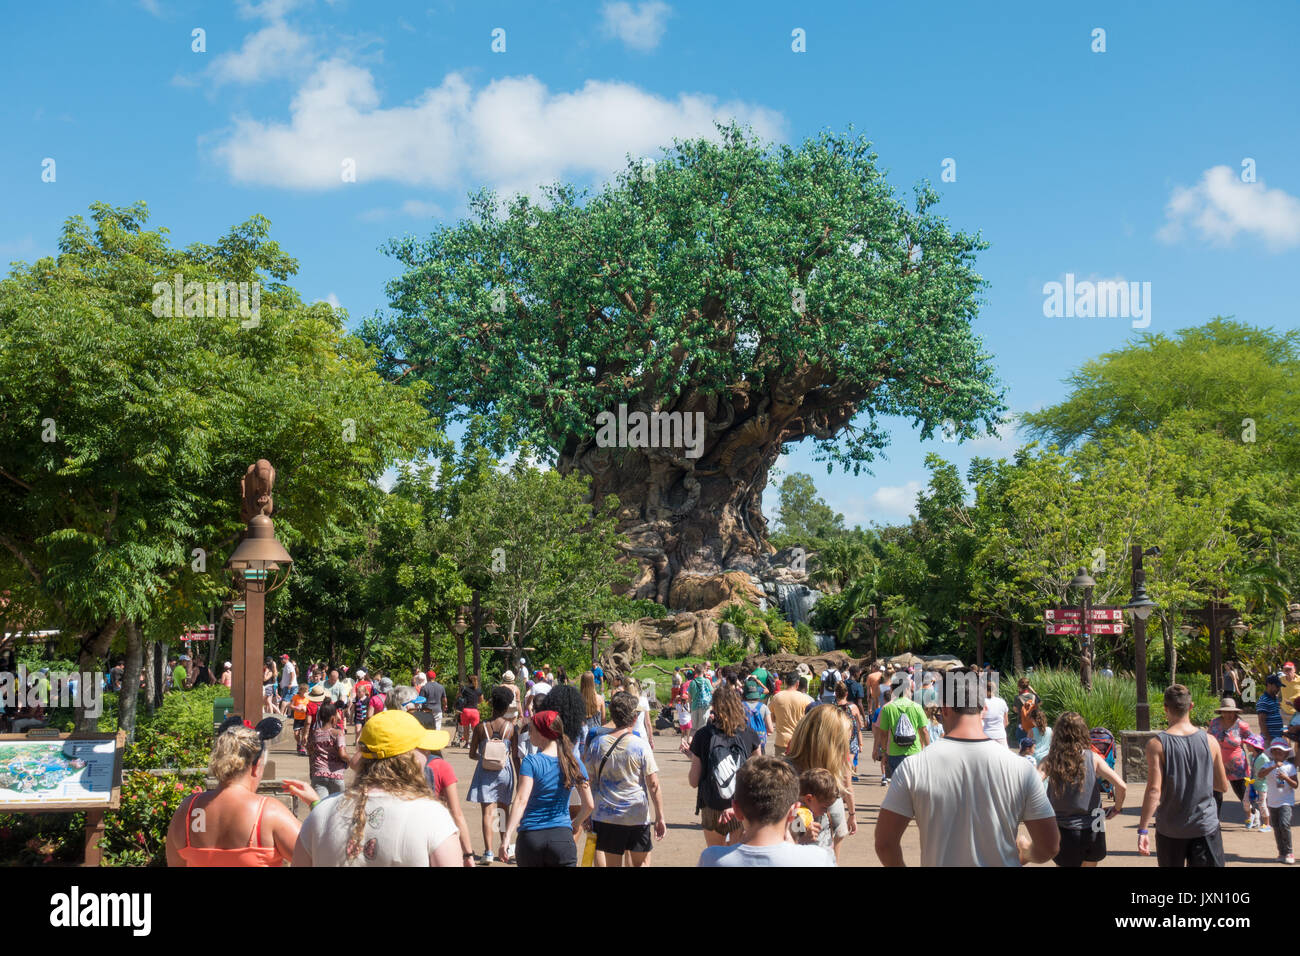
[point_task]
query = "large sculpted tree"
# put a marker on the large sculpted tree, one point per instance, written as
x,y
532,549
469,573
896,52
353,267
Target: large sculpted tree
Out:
x,y
772,293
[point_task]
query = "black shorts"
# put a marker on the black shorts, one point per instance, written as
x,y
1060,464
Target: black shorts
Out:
x,y
618,839
1080,846
1205,851
551,847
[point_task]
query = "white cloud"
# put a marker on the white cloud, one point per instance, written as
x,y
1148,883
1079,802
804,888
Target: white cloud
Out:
x,y
640,27
275,50
411,208
894,502
1221,206
333,301
514,134
152,6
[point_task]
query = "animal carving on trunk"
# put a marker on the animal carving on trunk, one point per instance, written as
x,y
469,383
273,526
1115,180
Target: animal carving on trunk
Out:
x,y
255,487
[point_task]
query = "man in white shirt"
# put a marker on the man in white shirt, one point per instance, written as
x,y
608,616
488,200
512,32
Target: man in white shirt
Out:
x,y
968,794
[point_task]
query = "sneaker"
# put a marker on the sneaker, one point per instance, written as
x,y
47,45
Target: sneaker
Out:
x,y
855,778
884,781
486,859
1289,858
1266,829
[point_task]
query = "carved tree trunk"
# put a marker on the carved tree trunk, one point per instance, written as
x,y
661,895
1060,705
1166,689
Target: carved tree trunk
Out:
x,y
703,514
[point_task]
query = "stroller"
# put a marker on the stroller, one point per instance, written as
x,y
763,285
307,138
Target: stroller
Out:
x,y
1102,742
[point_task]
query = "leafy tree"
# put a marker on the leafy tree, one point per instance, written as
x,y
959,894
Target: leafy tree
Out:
x,y
781,293
551,559
803,514
123,434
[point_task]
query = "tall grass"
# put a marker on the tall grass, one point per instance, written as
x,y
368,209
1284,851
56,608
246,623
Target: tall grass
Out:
x,y
1113,701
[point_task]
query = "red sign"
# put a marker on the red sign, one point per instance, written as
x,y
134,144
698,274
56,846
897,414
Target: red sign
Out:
x,y
202,634
1076,614
1075,627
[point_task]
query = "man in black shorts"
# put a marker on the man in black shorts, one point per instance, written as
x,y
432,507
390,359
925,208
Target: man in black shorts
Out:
x,y
625,785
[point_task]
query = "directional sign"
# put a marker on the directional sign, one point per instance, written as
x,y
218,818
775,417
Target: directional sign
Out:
x,y
203,633
1076,614
1073,627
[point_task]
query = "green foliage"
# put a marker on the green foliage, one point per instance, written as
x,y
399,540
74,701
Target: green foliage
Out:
x,y
807,642
802,513
156,417
1113,701
136,833
736,265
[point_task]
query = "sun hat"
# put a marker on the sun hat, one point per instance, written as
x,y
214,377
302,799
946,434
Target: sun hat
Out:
x,y
317,694
1255,740
1279,743
391,733
1228,704
508,677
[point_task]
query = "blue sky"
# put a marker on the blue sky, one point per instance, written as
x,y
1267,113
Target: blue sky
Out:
x,y
1119,165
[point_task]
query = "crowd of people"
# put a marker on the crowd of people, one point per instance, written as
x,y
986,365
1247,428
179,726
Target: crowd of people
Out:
x,y
566,774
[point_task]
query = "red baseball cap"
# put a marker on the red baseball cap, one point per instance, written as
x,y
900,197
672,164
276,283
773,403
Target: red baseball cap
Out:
x,y
284,657
432,676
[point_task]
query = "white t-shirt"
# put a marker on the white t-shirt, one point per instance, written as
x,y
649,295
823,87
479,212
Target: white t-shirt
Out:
x,y
968,798
289,676
778,854
642,716
398,832
1280,793
995,708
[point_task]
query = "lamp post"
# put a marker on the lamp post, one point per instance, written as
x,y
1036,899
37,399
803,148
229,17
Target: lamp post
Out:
x,y
1083,581
260,565
1141,607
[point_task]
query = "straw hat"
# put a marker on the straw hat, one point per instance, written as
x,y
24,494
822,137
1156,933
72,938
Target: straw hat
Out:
x,y
1228,705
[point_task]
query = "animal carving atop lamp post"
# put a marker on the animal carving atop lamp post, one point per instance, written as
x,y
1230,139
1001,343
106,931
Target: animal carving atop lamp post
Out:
x,y
260,565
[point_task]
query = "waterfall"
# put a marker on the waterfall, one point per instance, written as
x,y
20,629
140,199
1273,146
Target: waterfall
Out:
x,y
796,601
825,642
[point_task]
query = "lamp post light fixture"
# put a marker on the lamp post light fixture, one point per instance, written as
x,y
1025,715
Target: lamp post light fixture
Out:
x,y
260,565
1083,581
1141,607
1293,613
1240,628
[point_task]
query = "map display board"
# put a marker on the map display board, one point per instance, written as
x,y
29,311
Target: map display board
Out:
x,y
68,773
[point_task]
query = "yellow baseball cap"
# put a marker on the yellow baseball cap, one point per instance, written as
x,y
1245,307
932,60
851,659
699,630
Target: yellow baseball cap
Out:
x,y
393,732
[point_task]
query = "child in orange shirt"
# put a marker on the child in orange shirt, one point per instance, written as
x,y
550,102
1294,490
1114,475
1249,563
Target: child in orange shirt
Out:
x,y
299,707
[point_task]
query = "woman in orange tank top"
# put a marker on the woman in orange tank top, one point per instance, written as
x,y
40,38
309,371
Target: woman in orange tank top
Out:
x,y
232,825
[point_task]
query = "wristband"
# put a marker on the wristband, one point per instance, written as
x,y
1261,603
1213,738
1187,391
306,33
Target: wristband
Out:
x,y
1142,832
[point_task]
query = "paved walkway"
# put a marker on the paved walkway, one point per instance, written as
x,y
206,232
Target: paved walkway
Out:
x,y
684,841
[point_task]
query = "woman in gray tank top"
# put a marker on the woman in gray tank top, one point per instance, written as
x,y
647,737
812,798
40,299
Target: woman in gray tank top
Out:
x,y
1072,772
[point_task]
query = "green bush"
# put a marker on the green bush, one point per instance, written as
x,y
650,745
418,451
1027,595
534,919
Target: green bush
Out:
x,y
807,646
1113,701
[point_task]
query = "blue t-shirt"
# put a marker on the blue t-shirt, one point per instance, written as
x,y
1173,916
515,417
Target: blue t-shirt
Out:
x,y
548,804
598,672
1270,708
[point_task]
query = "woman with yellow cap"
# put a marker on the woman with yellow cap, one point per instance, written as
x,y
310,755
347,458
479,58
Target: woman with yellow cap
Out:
x,y
387,815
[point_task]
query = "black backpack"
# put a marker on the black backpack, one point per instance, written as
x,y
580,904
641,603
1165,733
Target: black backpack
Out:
x,y
726,756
